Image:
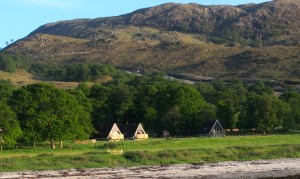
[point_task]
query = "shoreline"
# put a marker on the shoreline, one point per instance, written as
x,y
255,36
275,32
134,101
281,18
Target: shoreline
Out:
x,y
287,167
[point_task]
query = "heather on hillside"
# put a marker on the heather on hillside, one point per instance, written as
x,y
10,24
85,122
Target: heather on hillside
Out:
x,y
258,41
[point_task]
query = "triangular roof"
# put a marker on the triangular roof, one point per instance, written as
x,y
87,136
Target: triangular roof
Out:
x,y
130,130
105,129
208,126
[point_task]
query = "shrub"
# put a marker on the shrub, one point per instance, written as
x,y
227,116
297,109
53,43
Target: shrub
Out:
x,y
139,156
110,145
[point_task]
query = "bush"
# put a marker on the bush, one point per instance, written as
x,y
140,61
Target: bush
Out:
x,y
80,72
7,63
110,145
139,156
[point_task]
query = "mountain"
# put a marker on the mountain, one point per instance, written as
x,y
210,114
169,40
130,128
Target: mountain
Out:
x,y
268,23
249,41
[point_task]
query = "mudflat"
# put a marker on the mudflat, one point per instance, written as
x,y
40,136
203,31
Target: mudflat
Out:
x,y
232,169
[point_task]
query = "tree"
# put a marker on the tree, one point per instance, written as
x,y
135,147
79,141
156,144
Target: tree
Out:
x,y
183,99
149,117
84,88
7,63
9,124
259,88
81,72
38,69
207,91
285,116
207,113
177,107
121,100
173,121
99,96
86,103
262,112
237,87
145,101
8,121
6,89
228,108
292,98
48,113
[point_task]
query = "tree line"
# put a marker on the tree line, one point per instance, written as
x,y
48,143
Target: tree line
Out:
x,y
77,71
42,112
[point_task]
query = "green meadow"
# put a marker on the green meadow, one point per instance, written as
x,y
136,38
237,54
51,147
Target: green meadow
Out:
x,y
150,152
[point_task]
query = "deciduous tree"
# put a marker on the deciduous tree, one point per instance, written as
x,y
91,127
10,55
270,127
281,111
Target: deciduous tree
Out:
x,y
9,124
48,113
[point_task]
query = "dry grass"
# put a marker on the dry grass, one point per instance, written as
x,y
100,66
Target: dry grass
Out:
x,y
19,78
22,78
154,50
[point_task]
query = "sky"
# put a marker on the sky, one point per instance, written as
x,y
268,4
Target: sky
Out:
x,y
20,17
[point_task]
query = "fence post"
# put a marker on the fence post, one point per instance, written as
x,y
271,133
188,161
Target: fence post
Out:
x,y
1,142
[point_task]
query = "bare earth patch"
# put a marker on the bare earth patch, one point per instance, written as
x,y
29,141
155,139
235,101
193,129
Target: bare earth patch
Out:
x,y
248,169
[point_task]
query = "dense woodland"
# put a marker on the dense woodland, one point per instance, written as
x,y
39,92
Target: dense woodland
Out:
x,y
41,112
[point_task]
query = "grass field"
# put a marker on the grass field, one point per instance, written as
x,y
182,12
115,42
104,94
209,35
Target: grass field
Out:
x,y
152,152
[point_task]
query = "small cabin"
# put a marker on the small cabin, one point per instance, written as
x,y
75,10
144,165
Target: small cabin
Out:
x,y
212,128
109,132
133,131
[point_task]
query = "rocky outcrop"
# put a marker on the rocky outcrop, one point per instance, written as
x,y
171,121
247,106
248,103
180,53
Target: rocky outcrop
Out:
x,y
269,23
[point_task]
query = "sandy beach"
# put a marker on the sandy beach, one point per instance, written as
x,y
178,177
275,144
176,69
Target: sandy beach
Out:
x,y
249,169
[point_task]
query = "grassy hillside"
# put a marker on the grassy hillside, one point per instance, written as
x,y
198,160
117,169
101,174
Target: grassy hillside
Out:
x,y
150,49
23,78
246,41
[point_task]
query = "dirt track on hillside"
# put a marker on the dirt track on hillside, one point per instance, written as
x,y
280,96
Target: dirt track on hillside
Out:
x,y
249,169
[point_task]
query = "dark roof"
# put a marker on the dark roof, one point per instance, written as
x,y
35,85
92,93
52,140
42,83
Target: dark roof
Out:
x,y
207,126
128,130
103,131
